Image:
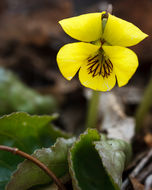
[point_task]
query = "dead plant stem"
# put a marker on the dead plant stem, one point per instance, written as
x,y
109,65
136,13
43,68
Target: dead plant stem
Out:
x,y
35,161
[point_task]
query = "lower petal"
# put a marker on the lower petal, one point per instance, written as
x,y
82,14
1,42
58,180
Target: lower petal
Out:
x,y
71,56
97,82
124,60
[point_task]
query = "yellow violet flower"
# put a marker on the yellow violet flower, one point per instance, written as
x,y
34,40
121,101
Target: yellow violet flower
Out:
x,y
102,55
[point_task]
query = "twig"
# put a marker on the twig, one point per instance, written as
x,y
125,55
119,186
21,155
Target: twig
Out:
x,y
141,164
35,161
147,171
148,183
137,169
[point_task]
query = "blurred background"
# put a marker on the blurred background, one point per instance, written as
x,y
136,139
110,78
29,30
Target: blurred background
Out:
x,y
30,38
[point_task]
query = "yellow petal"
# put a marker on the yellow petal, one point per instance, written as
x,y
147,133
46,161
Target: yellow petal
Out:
x,y
85,27
97,82
124,60
122,33
71,56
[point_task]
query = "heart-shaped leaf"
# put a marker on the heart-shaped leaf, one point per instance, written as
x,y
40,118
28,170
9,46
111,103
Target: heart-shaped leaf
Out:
x,y
115,155
26,133
55,158
88,165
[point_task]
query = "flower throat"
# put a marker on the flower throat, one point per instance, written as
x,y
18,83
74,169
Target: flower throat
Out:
x,y
99,66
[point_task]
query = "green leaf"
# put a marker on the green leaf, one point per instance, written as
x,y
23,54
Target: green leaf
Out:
x,y
55,158
15,96
26,133
115,155
85,164
92,166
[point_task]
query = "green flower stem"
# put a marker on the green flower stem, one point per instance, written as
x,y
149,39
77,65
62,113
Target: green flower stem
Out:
x,y
144,106
92,114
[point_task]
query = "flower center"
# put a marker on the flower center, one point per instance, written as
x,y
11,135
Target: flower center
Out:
x,y
98,65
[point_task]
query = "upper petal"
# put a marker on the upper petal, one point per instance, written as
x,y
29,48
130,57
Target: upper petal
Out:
x,y
71,56
124,60
122,33
85,27
97,82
